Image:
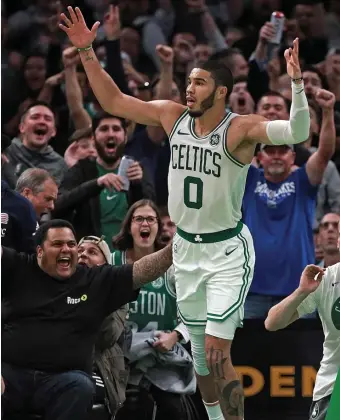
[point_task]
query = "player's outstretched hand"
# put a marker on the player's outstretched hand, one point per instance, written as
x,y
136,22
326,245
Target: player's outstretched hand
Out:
x,y
292,60
76,29
311,278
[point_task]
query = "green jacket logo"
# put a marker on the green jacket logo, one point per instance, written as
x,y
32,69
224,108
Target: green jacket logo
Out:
x,y
336,314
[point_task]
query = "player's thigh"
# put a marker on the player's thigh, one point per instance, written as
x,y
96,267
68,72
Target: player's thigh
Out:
x,y
228,287
190,282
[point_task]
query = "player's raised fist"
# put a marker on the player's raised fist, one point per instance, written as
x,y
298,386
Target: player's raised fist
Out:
x,y
76,29
292,60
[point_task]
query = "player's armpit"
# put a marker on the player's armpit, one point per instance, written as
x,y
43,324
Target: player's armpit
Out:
x,y
152,266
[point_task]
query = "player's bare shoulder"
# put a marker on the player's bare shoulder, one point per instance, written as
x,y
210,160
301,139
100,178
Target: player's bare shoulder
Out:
x,y
171,111
238,141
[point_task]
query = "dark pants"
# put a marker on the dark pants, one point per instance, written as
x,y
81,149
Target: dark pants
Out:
x,y
169,406
60,396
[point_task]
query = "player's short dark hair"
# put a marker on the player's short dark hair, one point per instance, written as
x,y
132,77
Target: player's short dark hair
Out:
x,y
221,74
34,104
102,116
41,234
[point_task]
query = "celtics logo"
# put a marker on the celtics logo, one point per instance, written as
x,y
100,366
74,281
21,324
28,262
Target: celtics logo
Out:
x,y
157,284
214,139
336,314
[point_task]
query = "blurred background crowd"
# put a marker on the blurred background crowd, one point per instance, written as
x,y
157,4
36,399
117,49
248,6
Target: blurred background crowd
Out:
x,y
62,153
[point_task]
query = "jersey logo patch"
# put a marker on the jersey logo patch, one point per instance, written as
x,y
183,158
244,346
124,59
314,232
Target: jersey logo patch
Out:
x,y
335,314
214,139
157,284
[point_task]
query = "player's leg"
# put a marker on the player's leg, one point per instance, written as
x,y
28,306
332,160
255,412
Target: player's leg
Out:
x,y
231,263
192,308
228,386
205,379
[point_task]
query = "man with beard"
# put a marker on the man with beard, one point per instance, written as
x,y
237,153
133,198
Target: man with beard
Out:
x,y
37,127
211,151
279,206
91,193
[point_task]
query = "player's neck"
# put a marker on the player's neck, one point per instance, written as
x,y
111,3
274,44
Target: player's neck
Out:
x,y
209,121
108,166
137,253
331,259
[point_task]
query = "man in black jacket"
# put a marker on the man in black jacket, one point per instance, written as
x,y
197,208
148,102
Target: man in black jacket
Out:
x,y
91,193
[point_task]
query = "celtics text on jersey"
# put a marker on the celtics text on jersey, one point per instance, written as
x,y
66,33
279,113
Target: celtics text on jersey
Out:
x,y
155,308
206,183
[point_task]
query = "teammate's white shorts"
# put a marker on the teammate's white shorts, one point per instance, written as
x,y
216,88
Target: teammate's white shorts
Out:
x,y
213,275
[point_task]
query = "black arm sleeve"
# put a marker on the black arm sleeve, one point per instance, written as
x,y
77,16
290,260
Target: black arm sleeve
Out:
x,y
114,65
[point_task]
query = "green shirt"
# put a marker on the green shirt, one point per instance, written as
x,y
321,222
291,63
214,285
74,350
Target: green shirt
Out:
x,y
155,308
113,208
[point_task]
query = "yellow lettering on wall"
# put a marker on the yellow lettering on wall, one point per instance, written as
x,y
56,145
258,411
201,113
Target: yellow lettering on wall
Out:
x,y
282,381
308,374
257,380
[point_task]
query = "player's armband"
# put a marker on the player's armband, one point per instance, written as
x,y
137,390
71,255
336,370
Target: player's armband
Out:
x,y
296,130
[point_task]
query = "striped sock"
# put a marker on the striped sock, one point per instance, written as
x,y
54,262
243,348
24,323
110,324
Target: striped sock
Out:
x,y
214,410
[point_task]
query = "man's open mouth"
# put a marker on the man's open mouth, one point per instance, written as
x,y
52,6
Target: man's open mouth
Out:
x,y
64,262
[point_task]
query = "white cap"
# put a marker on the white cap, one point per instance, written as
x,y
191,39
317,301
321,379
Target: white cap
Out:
x,y
101,244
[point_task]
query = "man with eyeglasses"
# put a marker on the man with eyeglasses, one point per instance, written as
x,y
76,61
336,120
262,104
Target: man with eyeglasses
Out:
x,y
328,236
319,289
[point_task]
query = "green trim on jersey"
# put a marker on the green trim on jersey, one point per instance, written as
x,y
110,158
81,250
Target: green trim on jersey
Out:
x,y
209,238
245,278
192,127
188,321
227,153
177,122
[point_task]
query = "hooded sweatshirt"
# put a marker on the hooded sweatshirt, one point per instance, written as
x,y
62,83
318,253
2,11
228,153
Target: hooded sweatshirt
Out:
x,y
23,158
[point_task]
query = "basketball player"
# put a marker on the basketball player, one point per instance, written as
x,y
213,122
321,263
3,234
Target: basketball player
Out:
x,y
210,155
323,295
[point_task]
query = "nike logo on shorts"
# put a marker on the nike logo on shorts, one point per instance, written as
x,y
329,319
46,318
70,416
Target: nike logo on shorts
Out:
x,y
230,252
182,134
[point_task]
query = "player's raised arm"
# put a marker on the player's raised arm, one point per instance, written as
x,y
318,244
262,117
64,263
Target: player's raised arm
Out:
x,y
296,130
111,99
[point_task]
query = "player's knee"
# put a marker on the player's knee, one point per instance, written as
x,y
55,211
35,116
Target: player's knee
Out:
x,y
217,353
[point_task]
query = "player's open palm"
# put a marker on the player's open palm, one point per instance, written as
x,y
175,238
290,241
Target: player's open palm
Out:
x,y
76,29
311,278
292,60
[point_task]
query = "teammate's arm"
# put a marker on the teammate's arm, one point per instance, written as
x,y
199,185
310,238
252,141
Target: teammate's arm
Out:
x,y
286,312
152,266
296,130
111,99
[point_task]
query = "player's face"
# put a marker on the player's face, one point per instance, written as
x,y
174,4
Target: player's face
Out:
x,y
43,201
144,227
89,254
110,139
277,160
168,230
329,233
37,127
273,108
58,255
200,93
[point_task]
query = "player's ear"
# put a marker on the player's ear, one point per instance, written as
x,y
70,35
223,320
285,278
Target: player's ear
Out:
x,y
222,92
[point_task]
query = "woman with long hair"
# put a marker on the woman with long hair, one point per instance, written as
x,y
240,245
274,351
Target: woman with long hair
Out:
x,y
155,310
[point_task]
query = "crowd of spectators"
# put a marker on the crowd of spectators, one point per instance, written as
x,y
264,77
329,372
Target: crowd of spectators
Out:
x,y
60,153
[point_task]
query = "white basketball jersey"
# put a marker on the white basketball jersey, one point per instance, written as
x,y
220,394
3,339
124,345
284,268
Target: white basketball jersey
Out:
x,y
206,184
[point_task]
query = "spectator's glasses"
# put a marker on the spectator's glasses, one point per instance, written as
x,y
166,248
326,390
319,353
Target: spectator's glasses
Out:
x,y
150,220
326,225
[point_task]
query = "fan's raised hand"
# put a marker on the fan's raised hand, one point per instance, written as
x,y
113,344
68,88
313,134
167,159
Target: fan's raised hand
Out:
x,y
76,29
